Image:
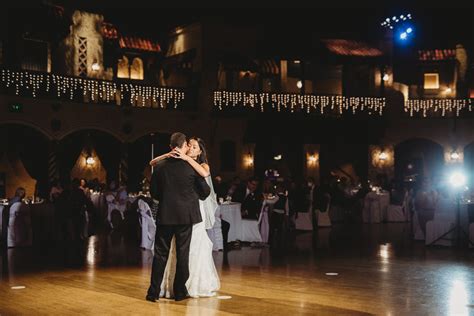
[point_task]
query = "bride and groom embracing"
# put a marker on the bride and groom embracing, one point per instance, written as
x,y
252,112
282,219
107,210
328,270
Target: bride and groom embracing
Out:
x,y
182,265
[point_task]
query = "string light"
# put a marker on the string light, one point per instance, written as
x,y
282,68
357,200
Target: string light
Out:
x,y
445,106
391,22
23,83
292,102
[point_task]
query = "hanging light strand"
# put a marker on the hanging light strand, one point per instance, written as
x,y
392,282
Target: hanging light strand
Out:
x,y
442,106
33,84
297,102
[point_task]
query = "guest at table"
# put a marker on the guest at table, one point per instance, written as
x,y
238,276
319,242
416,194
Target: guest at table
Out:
x,y
95,185
19,195
112,188
56,190
84,187
250,199
234,185
122,194
219,187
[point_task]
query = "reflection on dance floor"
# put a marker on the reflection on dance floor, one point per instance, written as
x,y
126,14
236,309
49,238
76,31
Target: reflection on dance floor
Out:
x,y
359,269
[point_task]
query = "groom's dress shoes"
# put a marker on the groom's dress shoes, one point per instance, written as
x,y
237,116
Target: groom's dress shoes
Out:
x,y
151,298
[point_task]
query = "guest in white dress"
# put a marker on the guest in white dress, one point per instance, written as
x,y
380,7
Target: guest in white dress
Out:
x,y
203,278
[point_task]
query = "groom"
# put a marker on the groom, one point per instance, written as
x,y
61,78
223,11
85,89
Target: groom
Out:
x,y
178,189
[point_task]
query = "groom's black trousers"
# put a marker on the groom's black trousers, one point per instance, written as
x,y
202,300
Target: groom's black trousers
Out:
x,y
164,235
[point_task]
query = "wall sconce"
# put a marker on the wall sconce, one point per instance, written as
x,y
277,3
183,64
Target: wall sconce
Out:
x,y
277,157
299,84
312,159
90,161
454,155
95,66
383,156
248,160
385,77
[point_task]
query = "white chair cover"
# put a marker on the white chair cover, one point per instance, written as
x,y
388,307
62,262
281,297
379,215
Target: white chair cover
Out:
x,y
147,224
384,202
304,221
435,229
264,223
323,217
113,205
19,226
443,221
250,231
371,212
417,231
396,213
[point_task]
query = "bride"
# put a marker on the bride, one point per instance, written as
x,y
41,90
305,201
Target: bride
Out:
x,y
203,279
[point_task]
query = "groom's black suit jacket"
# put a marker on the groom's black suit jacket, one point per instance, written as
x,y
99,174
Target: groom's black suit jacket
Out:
x,y
178,188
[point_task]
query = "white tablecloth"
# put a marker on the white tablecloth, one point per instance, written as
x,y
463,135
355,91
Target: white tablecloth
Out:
x,y
231,214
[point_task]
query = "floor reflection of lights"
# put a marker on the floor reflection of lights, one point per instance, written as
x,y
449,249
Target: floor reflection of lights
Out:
x,y
458,298
384,254
92,251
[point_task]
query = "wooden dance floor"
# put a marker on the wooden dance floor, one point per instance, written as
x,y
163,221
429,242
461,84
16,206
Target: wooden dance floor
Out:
x,y
346,270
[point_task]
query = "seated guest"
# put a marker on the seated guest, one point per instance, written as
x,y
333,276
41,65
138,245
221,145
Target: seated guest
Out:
x,y
56,190
234,185
84,187
95,185
112,188
219,187
19,195
122,194
250,199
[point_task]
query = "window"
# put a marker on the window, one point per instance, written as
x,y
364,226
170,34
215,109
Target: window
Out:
x,y
136,70
127,70
35,56
431,81
123,71
227,154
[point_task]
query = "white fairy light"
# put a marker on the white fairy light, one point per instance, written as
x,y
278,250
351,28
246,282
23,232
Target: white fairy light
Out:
x,y
296,102
24,83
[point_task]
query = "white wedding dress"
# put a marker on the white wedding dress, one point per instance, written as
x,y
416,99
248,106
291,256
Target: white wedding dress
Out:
x,y
203,278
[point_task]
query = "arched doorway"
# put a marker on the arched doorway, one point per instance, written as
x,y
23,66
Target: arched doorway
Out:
x,y
75,149
23,160
140,154
278,153
417,158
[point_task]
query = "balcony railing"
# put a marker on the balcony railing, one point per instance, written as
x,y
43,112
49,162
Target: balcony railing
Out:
x,y
87,90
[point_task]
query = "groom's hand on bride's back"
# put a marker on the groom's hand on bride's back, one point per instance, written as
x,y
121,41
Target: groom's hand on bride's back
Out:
x,y
202,188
